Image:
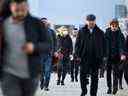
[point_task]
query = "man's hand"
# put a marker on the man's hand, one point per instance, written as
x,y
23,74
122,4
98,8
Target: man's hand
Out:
x,y
56,54
28,48
123,57
71,57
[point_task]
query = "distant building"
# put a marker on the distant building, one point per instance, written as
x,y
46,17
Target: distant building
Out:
x,y
121,11
124,26
126,3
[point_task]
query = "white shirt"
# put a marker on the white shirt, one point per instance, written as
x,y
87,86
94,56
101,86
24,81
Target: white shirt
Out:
x,y
91,31
73,43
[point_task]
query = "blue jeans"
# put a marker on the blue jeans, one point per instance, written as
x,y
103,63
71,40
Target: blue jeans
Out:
x,y
46,70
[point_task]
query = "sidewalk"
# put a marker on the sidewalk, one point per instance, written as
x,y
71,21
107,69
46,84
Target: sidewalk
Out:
x,y
73,89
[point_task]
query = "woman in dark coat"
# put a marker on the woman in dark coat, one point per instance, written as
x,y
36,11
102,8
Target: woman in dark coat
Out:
x,y
115,53
65,48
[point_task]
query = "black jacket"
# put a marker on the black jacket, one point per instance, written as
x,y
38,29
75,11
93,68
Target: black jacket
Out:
x,y
84,47
65,45
38,36
52,40
126,64
118,47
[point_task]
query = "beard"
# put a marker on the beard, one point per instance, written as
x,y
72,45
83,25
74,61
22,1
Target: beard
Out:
x,y
18,15
91,26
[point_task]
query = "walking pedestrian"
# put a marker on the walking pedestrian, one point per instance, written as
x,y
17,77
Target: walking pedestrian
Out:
x,y
114,54
74,63
47,57
65,48
90,50
22,44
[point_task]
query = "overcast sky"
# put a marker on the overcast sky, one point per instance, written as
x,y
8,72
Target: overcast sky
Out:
x,y
73,11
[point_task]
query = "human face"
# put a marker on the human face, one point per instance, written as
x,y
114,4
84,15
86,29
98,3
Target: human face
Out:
x,y
114,27
19,10
65,32
46,23
75,33
91,24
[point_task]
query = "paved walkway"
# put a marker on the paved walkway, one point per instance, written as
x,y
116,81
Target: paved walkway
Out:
x,y
73,89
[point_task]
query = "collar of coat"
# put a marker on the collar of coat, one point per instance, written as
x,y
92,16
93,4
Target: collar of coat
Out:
x,y
95,29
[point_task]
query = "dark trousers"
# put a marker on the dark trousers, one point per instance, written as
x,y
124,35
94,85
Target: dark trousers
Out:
x,y
126,72
121,73
113,66
126,76
74,70
14,86
62,69
102,68
94,80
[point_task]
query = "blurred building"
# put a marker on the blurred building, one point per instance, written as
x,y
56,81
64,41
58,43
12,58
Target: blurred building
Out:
x,y
126,3
121,11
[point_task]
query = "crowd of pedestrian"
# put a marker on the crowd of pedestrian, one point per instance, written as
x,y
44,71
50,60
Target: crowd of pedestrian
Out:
x,y
30,51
